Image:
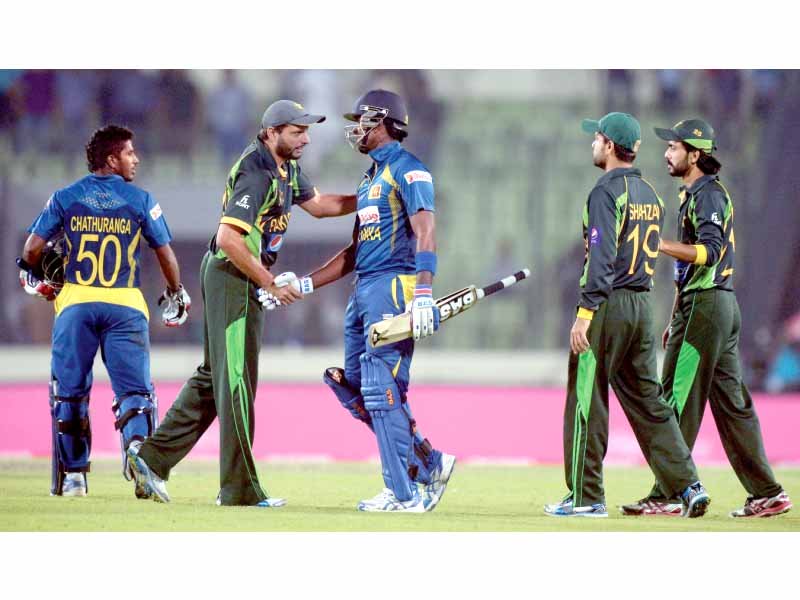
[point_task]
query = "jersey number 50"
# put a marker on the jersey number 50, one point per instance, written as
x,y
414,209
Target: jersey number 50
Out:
x,y
634,237
98,260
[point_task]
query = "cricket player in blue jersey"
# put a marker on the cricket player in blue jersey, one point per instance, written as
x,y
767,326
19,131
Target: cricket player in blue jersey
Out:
x,y
103,218
393,253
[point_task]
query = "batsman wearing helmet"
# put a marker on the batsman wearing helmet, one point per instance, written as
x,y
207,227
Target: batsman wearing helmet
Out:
x,y
393,253
702,341
103,218
612,340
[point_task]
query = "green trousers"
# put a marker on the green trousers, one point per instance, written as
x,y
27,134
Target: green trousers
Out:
x,y
623,355
223,386
702,363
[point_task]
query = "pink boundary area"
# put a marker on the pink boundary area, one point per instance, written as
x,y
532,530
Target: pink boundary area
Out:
x,y
305,421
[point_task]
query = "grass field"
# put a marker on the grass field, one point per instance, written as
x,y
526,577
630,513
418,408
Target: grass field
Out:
x,y
322,497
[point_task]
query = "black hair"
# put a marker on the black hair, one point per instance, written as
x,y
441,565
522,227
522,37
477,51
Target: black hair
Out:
x,y
622,153
705,162
262,135
395,129
106,141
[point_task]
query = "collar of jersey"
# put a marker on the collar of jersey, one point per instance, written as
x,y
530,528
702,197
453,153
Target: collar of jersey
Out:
x,y
384,153
695,187
619,172
108,177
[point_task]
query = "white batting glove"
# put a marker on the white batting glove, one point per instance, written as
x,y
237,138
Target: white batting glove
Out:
x,y
35,287
304,285
177,309
424,313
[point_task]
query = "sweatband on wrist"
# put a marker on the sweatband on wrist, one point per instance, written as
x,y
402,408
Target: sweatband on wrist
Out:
x,y
306,285
423,290
702,254
585,313
426,261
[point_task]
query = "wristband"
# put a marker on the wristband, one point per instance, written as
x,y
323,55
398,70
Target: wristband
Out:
x,y
426,261
306,285
585,313
423,290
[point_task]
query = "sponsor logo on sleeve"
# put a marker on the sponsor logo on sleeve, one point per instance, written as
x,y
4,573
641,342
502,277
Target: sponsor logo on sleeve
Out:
x,y
594,236
369,215
242,202
155,212
413,176
375,192
715,219
275,243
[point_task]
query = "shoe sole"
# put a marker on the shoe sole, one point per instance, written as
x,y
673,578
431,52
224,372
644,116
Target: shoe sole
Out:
x,y
447,472
698,508
770,512
76,494
643,513
133,461
582,515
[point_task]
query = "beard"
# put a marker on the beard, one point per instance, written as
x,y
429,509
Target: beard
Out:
x,y
679,169
599,161
285,151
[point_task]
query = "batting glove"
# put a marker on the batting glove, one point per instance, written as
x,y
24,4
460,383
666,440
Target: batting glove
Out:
x,y
35,287
304,285
424,313
177,309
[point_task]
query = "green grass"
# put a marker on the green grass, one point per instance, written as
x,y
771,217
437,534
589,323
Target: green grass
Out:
x,y
322,497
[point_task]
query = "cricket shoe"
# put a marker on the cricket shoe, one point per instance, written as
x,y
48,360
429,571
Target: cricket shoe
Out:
x,y
764,507
139,490
566,509
434,491
649,507
386,501
152,485
74,485
695,501
265,503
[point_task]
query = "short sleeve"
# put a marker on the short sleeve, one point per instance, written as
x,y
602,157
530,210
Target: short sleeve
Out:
x,y
154,224
303,188
249,189
416,189
50,221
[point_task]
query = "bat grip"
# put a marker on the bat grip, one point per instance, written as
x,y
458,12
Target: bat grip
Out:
x,y
504,283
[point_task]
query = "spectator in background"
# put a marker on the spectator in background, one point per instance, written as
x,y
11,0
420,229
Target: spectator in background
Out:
x,y
228,116
670,85
129,97
619,91
784,373
721,100
76,92
33,131
178,113
767,83
10,105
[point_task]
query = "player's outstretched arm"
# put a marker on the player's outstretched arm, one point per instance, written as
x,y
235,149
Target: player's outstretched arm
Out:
x,y
330,205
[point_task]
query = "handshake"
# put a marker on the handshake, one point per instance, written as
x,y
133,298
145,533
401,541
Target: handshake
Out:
x,y
285,289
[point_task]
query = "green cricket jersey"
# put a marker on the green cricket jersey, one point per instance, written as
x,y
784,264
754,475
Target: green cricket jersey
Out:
x,y
706,221
622,223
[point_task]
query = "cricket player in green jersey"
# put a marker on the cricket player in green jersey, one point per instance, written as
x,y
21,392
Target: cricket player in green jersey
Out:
x,y
613,340
702,341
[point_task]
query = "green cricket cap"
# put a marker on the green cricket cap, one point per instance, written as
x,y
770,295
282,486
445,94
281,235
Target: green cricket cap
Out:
x,y
621,128
696,132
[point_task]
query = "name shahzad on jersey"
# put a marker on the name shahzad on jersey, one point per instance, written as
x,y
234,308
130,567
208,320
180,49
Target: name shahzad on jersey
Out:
x,y
644,212
100,224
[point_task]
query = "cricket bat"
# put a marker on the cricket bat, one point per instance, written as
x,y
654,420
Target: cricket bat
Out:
x,y
398,328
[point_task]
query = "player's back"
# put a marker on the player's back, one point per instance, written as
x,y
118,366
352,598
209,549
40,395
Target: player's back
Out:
x,y
103,218
640,221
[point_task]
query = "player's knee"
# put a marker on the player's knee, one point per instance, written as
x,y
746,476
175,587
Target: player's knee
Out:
x,y
135,417
378,385
349,396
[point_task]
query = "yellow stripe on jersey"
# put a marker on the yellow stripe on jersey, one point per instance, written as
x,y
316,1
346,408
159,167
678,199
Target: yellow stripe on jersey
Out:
x,y
394,203
73,293
131,260
702,254
397,367
238,223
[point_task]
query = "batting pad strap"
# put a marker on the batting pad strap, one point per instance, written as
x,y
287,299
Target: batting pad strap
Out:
x,y
426,261
702,254
585,313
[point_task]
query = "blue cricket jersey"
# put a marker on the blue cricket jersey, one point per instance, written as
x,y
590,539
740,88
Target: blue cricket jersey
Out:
x,y
397,186
104,219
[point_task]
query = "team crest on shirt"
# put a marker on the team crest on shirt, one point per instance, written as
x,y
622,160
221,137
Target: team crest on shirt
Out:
x,y
155,212
375,192
413,176
275,243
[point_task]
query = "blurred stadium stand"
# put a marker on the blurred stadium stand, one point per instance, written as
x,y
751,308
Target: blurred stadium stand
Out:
x,y
512,171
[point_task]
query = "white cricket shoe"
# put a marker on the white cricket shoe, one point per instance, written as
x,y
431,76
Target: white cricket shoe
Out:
x,y
434,491
74,485
151,484
386,501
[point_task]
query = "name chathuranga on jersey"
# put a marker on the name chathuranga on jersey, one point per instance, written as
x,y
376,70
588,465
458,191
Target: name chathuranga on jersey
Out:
x,y
258,199
396,187
705,220
622,222
104,219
